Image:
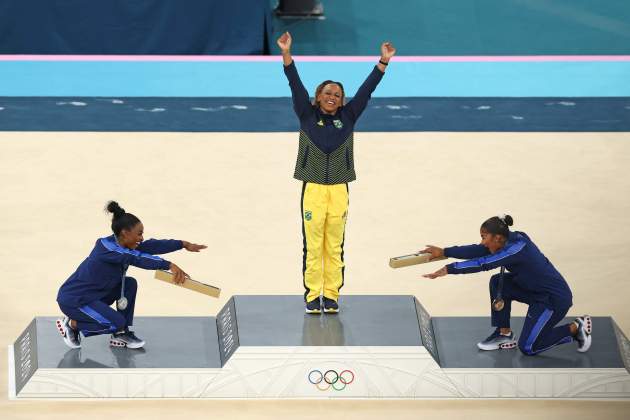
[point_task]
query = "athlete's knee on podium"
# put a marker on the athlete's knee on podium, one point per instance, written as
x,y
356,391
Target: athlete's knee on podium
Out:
x,y
525,347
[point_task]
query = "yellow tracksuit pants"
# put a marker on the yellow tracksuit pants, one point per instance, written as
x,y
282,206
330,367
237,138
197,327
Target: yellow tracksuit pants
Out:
x,y
324,213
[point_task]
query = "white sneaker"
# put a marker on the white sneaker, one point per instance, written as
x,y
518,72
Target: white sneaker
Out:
x,y
126,339
497,341
71,337
583,336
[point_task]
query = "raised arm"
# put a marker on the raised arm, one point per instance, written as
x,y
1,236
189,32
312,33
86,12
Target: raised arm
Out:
x,y
299,94
358,103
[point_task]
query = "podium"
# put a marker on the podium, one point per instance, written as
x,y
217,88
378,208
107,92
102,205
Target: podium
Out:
x,y
267,347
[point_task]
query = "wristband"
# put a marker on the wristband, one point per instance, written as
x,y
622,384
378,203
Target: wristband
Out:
x,y
382,62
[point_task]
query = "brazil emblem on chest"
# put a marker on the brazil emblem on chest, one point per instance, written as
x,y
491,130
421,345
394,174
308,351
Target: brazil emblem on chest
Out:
x,y
308,215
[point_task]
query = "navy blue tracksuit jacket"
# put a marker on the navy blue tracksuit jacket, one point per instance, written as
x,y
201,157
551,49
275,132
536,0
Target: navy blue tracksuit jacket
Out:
x,y
106,265
89,292
531,279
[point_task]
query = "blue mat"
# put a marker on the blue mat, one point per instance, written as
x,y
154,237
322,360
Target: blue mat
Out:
x,y
276,114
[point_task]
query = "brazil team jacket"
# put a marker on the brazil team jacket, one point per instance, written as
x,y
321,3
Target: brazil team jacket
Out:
x,y
102,271
530,269
325,154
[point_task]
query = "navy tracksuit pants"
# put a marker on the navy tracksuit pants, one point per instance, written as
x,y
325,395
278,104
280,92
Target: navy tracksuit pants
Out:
x,y
99,318
539,332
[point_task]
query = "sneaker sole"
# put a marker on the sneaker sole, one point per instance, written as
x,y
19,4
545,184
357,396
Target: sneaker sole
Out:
x,y
502,346
119,343
588,324
331,311
66,340
313,311
586,345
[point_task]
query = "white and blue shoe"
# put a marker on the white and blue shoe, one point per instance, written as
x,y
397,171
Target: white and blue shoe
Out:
x,y
496,341
584,330
127,339
71,337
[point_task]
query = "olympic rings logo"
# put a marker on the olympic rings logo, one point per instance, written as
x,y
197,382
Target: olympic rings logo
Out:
x,y
331,379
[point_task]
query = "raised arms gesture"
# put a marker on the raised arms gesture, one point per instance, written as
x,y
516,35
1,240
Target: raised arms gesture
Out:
x,y
387,52
284,42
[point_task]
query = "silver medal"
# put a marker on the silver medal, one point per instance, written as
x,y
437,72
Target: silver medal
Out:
x,y
121,304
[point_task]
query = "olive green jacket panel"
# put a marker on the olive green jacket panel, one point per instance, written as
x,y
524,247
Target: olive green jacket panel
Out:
x,y
313,165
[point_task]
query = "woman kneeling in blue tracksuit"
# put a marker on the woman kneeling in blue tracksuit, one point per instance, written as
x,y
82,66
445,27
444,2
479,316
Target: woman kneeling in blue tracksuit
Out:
x,y
531,279
100,280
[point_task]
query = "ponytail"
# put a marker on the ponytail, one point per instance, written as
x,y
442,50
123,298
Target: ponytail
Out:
x,y
120,219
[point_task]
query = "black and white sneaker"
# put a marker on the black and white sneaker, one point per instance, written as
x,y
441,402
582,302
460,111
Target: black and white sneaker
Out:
x,y
126,339
71,337
584,330
314,306
330,306
497,341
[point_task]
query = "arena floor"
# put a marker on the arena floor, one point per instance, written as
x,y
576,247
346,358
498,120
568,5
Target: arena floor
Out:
x,y
234,192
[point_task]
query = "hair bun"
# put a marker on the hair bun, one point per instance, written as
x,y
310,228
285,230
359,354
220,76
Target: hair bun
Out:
x,y
114,208
508,220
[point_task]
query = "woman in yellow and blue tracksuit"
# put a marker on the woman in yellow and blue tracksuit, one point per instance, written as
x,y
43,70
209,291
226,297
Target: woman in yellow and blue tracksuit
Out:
x,y
325,164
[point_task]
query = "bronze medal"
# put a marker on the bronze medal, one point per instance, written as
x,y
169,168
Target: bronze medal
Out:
x,y
498,304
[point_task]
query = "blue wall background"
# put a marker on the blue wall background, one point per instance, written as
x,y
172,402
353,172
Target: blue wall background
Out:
x,y
351,27
465,27
134,26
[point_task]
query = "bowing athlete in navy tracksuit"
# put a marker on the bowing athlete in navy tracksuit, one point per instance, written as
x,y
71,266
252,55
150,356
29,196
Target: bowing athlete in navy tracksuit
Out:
x,y
100,280
530,279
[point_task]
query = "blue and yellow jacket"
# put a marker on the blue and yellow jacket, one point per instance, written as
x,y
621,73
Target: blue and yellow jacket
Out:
x,y
102,271
529,267
326,142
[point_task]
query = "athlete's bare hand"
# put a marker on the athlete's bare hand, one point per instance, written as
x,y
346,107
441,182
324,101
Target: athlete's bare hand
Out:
x,y
387,51
188,246
440,273
436,252
179,276
284,42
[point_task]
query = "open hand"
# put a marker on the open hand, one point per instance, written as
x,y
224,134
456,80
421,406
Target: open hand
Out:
x,y
436,252
440,273
193,247
284,42
387,51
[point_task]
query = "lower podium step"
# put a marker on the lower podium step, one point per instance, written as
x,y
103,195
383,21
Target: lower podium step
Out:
x,y
267,347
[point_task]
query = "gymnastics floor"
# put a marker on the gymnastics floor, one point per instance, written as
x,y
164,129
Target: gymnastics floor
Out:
x,y
422,178
565,189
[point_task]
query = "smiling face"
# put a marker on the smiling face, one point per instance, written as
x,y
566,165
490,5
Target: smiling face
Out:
x,y
131,238
491,241
330,98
